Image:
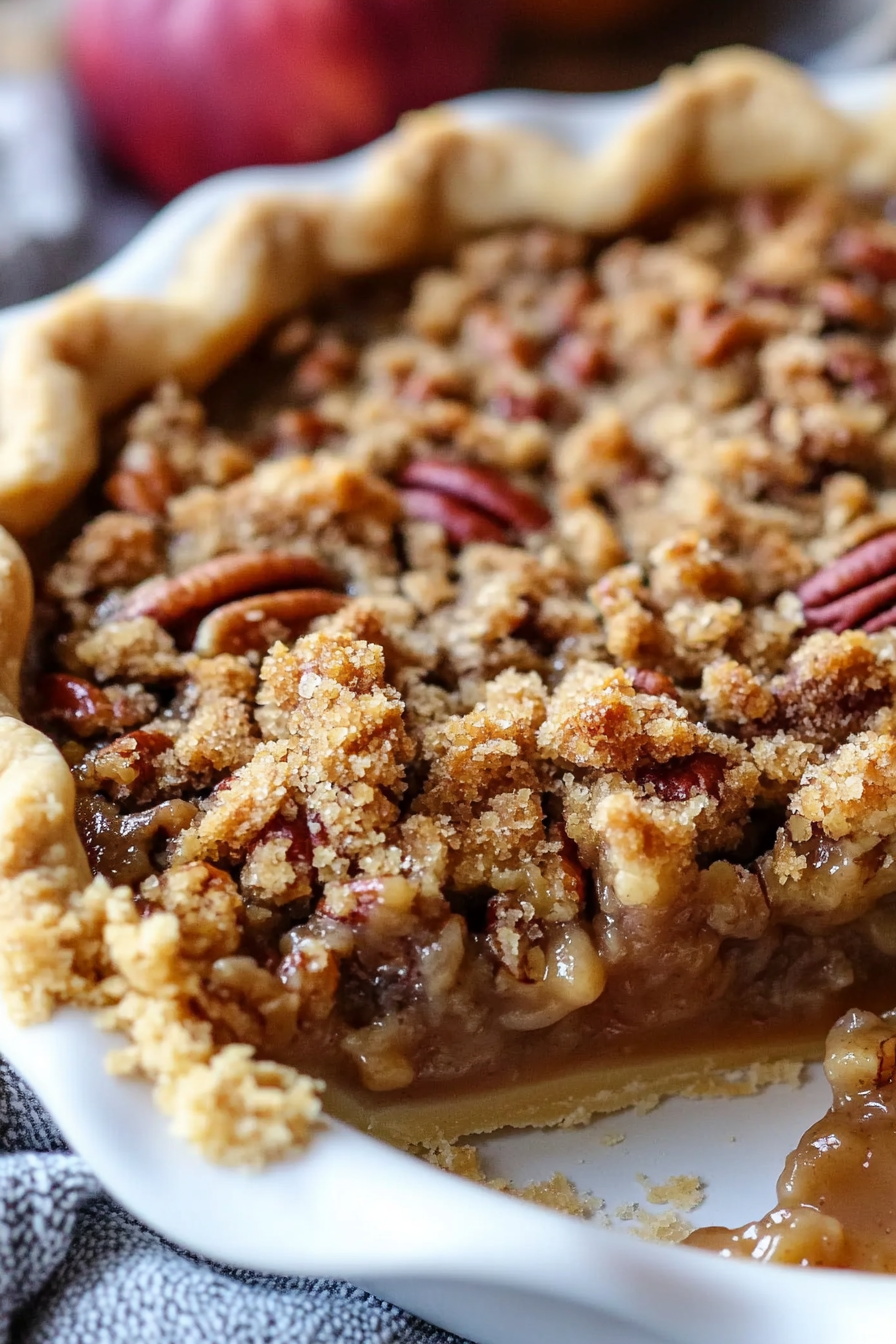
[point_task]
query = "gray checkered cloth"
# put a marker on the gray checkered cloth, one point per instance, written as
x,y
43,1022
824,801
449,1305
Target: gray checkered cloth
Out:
x,y
76,1269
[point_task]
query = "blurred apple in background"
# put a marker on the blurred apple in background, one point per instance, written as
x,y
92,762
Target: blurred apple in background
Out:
x,y
179,89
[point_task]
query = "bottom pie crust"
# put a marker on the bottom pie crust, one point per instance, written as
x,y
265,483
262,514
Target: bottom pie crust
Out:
x,y
423,1121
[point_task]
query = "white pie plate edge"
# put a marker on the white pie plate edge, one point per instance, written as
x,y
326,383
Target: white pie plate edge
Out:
x,y
351,1207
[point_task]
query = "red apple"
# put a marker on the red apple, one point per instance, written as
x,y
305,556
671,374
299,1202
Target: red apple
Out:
x,y
179,89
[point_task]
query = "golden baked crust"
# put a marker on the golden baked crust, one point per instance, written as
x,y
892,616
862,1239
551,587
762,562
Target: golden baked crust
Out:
x,y
716,127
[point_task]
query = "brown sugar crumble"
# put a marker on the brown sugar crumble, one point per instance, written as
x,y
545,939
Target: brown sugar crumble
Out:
x,y
438,690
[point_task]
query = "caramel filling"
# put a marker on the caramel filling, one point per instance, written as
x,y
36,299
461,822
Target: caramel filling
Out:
x,y
837,1194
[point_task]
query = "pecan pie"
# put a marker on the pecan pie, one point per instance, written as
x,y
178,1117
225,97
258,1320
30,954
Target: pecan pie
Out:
x,y
472,669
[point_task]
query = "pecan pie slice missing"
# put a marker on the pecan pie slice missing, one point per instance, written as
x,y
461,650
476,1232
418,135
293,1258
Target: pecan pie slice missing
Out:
x,y
482,696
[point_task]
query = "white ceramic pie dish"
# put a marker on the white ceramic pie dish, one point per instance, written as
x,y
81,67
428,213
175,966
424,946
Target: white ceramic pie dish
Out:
x,y
491,1268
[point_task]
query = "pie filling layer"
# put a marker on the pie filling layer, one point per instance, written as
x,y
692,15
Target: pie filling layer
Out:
x,y
491,680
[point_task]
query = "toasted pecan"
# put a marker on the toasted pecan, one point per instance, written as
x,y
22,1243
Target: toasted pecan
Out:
x,y
256,622
295,830
226,577
855,609
143,485
81,706
572,871
480,487
493,333
461,523
123,766
857,589
873,560
298,428
296,851
649,682
677,780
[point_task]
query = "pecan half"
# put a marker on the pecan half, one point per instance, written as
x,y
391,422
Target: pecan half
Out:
x,y
143,483
477,504
571,870
257,622
460,523
81,706
843,301
295,830
514,937
857,589
172,600
677,780
649,682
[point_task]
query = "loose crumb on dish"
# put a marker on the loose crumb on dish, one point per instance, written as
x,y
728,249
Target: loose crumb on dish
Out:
x,y
667,1226
611,1140
682,1192
557,1192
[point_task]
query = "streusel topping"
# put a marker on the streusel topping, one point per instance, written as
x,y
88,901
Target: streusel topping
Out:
x,y
443,676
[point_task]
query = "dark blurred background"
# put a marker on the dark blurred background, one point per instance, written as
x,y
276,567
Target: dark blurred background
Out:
x,y
637,45
89,148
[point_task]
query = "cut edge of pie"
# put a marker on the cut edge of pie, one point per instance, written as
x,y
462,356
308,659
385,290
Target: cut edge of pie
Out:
x,y
735,120
576,1096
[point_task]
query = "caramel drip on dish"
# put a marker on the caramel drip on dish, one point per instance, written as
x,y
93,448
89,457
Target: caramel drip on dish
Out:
x,y
837,1194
